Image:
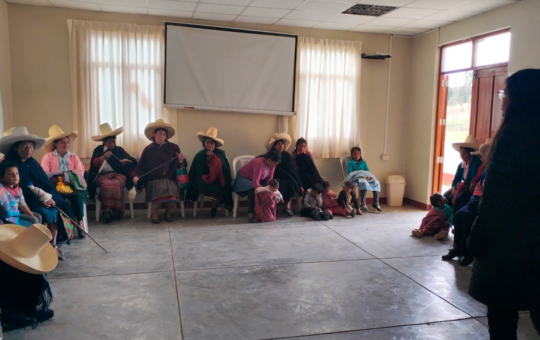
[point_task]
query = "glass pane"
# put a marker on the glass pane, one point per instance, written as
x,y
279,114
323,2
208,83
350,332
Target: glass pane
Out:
x,y
458,119
457,57
492,50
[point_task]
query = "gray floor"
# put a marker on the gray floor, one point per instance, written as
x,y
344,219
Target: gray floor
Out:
x,y
201,278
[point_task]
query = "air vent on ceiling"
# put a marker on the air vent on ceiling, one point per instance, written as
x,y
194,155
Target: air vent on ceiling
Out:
x,y
371,10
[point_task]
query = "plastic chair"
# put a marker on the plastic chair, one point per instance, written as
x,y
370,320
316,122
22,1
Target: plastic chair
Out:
x,y
344,161
238,163
98,204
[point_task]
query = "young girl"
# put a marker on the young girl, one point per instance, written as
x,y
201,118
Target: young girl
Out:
x,y
339,206
358,172
313,204
438,220
266,200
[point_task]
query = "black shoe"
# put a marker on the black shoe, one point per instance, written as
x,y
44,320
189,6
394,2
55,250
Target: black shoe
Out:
x,y
466,260
326,215
49,314
289,212
213,212
353,213
253,220
451,254
105,217
156,221
81,233
377,207
364,208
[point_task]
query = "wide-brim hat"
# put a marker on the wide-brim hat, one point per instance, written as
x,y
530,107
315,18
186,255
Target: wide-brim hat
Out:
x,y
27,249
55,133
285,137
484,149
107,131
470,142
19,134
212,134
159,124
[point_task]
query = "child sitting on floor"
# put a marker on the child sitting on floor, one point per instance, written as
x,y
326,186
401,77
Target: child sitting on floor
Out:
x,y
313,204
438,221
266,200
337,206
347,199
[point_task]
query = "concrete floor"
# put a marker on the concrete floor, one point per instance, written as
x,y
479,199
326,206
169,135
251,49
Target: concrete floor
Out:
x,y
223,278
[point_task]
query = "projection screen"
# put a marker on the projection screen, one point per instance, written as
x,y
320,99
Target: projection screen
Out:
x,y
226,69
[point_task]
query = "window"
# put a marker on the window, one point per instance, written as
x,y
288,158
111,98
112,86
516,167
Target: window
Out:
x,y
457,57
492,50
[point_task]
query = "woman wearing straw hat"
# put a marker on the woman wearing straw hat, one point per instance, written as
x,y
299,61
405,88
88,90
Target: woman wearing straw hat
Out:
x,y
62,166
460,193
290,183
160,183
19,147
210,172
111,170
25,255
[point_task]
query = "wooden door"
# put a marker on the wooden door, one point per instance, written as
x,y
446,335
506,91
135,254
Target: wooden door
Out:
x,y
440,133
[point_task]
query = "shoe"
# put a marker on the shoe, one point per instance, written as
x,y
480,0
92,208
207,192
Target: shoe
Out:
x,y
60,253
441,235
81,233
253,220
417,233
49,314
156,221
377,207
213,212
289,212
364,208
105,217
331,217
110,215
326,215
316,215
466,260
167,218
353,213
451,254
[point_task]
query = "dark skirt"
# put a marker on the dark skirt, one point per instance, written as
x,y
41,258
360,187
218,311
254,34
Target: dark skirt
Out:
x,y
287,189
161,188
463,221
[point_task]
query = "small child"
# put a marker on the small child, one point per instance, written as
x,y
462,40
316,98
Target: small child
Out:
x,y
266,200
347,199
438,221
313,204
332,203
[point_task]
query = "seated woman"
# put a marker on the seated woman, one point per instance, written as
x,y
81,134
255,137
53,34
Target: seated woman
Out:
x,y
266,200
40,194
210,173
290,183
63,166
464,218
309,175
256,173
460,193
358,172
25,296
160,183
111,170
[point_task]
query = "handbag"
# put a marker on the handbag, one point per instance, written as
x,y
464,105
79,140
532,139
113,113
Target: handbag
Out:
x,y
182,178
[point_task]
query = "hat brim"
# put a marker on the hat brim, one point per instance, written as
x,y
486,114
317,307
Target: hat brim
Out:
x,y
7,142
457,146
202,136
110,134
49,144
45,261
150,128
277,137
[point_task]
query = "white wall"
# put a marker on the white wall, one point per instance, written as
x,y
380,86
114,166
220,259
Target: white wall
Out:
x,y
5,68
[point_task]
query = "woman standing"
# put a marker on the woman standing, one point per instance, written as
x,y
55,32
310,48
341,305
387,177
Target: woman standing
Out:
x,y
210,173
160,184
62,165
505,238
290,183
111,170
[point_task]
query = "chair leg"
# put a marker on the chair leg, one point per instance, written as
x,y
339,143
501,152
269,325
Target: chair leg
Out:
x,y
299,203
98,209
226,212
131,209
235,206
149,210
85,218
195,206
182,208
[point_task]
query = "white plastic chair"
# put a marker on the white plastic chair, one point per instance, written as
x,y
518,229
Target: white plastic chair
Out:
x,y
344,162
238,163
124,195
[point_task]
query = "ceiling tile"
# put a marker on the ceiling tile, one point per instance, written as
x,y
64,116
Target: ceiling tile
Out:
x,y
308,15
350,19
373,29
334,26
297,23
123,9
213,16
266,12
482,5
435,4
219,9
285,4
451,15
256,20
172,5
119,3
76,5
411,13
430,24
31,2
169,13
406,31
396,3
324,6
227,2
381,21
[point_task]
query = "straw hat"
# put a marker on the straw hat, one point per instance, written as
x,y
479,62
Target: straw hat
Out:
x,y
19,134
159,124
212,134
27,249
276,137
470,142
484,149
55,133
107,131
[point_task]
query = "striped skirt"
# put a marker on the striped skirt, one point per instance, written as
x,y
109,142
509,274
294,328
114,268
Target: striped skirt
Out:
x,y
111,186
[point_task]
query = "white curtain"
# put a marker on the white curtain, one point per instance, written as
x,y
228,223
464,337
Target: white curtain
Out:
x,y
116,78
329,95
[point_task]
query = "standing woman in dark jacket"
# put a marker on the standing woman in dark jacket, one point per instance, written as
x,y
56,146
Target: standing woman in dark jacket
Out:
x,y
505,239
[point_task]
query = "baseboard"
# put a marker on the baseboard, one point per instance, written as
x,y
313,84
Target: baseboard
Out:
x,y
416,204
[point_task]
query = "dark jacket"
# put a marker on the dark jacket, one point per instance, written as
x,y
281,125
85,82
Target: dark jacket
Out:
x,y
118,167
505,238
342,200
290,183
476,162
157,154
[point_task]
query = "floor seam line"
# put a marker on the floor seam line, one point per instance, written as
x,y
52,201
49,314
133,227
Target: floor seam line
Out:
x,y
105,275
176,286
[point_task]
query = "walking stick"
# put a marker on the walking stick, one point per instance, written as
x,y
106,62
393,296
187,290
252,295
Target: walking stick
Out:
x,y
72,221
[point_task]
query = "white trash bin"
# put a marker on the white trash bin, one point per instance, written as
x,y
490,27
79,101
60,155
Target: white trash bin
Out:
x,y
395,190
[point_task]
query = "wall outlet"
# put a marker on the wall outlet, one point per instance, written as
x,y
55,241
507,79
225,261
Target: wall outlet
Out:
x,y
385,157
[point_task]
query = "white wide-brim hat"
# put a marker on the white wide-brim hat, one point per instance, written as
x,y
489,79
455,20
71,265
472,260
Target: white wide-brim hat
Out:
x,y
470,142
159,124
55,133
212,134
27,249
107,131
19,134
484,149
285,137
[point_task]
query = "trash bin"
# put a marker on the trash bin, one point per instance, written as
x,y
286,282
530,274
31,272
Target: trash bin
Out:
x,y
395,190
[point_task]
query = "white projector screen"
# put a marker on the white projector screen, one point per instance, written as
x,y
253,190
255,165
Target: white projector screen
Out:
x,y
226,69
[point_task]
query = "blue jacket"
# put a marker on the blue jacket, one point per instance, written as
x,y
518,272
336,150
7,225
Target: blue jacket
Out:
x,y
355,166
473,170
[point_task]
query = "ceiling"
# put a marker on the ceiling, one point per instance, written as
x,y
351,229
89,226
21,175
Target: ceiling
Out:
x,y
411,18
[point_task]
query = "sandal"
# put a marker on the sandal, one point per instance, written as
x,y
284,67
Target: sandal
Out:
x,y
59,253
